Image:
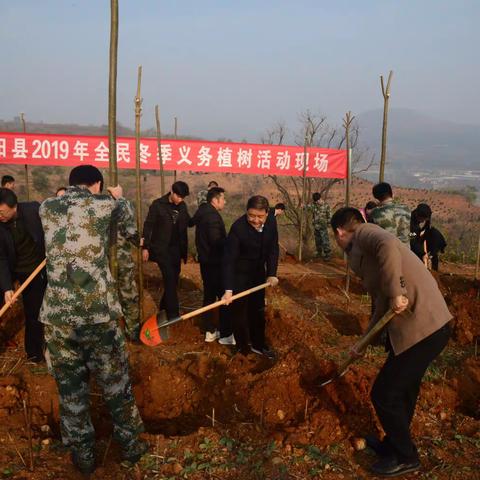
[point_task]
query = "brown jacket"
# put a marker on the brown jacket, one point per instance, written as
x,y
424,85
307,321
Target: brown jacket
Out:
x,y
388,268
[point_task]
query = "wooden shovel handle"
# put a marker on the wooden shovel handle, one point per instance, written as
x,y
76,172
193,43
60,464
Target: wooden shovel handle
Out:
x,y
24,285
206,308
367,339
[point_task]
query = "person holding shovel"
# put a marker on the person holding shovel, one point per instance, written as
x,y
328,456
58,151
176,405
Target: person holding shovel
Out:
x,y
22,249
251,256
395,278
80,313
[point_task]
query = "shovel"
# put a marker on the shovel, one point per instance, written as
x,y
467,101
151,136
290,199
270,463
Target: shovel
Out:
x,y
23,286
361,345
155,330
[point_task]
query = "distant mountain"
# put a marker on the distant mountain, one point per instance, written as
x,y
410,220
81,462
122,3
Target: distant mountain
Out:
x,y
417,140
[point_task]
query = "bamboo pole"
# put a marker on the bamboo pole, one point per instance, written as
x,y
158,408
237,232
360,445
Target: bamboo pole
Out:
x,y
138,113
159,147
112,125
302,208
175,130
386,98
27,182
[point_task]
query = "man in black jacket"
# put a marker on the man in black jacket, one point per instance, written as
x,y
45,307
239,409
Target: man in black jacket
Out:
x,y
251,256
22,249
166,241
210,236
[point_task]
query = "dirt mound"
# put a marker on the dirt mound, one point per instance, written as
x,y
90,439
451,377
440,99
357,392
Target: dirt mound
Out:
x,y
469,387
462,297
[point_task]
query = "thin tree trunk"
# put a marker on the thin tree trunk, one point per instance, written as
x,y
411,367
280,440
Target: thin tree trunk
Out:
x,y
112,125
27,181
159,147
302,207
175,135
346,123
138,113
386,98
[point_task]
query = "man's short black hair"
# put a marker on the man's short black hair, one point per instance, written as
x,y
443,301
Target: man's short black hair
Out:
x,y
8,197
382,191
347,218
280,206
214,192
86,175
371,205
7,179
316,197
212,183
181,189
258,202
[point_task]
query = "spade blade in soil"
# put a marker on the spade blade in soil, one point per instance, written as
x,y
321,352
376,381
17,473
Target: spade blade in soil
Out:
x,y
152,332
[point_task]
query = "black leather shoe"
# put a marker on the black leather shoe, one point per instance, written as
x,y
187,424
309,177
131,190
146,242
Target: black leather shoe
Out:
x,y
379,447
391,467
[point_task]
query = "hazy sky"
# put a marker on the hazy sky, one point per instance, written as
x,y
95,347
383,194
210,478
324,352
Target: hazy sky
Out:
x,y
234,68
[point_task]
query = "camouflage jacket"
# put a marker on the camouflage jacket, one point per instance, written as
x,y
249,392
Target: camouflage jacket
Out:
x,y
202,197
394,218
320,214
81,290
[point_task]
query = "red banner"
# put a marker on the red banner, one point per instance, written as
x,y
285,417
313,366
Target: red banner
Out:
x,y
194,155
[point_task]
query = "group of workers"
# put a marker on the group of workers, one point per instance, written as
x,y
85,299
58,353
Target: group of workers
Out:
x,y
78,303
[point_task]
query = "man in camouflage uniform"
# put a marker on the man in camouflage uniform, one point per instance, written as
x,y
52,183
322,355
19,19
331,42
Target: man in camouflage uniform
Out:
x,y
391,216
81,311
202,194
320,220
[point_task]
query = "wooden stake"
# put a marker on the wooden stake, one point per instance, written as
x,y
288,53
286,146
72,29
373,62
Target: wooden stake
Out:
x,y
175,134
138,114
159,147
27,414
27,182
386,98
112,126
213,417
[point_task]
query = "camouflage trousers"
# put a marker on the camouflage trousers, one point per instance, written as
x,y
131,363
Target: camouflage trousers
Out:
x,y
76,353
127,288
322,242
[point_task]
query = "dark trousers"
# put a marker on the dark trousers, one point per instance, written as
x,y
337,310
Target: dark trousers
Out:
x,y
170,268
248,315
32,302
395,391
213,290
